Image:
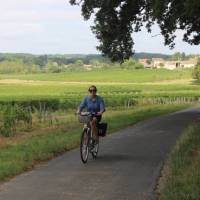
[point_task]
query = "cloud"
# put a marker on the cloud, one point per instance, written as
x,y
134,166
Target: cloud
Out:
x,y
32,3
28,10
54,26
38,16
25,17
14,31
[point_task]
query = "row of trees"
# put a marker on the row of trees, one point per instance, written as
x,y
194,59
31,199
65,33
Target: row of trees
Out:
x,y
25,63
18,66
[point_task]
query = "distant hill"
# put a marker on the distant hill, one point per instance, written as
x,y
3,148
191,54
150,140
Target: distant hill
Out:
x,y
150,55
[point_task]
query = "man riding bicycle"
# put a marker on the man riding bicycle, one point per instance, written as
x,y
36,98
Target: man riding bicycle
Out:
x,y
94,104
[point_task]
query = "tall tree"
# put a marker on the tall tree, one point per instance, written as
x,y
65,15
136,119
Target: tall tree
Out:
x,y
116,20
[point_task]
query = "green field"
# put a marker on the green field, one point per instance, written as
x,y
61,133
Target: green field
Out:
x,y
119,88
116,83
114,75
45,98
37,109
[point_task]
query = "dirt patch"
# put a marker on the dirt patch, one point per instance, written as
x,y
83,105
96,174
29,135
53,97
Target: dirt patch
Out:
x,y
165,172
37,82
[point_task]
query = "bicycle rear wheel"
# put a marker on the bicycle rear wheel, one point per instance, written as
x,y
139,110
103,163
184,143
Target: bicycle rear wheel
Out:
x,y
84,146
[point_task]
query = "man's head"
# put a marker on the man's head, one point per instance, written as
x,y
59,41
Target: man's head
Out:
x,y
92,90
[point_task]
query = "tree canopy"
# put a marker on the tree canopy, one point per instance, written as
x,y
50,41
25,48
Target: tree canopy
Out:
x,y
116,20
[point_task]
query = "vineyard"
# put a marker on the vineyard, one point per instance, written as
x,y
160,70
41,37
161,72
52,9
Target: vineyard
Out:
x,y
43,102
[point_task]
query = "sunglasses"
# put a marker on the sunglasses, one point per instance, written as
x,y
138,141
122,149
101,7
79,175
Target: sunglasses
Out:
x,y
92,91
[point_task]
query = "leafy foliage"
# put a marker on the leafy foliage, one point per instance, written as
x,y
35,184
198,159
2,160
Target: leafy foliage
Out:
x,y
115,21
11,116
131,64
196,73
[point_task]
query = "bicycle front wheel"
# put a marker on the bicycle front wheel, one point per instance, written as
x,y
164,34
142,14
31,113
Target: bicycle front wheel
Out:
x,y
84,146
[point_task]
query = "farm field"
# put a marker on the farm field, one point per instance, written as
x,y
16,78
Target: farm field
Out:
x,y
42,106
120,94
120,83
111,75
45,102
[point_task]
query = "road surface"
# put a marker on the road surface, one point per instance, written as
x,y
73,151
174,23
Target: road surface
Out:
x,y
128,166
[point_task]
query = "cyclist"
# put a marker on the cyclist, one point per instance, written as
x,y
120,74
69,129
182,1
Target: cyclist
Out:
x,y
94,104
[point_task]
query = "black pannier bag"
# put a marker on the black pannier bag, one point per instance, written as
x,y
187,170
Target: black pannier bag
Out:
x,y
102,128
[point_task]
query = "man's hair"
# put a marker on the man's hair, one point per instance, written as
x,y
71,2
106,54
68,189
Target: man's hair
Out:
x,y
92,86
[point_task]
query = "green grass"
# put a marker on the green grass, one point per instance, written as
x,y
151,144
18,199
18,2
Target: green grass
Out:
x,y
24,91
182,171
114,75
20,155
115,85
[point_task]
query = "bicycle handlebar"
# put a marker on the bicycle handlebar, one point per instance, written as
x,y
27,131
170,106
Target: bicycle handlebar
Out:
x,y
87,114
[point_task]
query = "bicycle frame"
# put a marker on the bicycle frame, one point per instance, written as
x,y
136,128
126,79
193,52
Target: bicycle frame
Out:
x,y
90,146
89,131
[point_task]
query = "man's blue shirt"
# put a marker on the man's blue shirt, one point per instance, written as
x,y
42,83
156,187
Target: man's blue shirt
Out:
x,y
96,105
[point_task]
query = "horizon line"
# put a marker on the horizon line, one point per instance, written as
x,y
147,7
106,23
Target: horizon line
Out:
x,y
99,54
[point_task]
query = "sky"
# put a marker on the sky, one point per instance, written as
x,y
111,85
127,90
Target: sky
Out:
x,y
56,27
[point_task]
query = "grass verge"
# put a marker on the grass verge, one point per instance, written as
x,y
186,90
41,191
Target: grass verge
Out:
x,y
21,155
181,174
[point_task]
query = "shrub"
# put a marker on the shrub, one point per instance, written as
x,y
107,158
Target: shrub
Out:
x,y
131,64
10,116
196,72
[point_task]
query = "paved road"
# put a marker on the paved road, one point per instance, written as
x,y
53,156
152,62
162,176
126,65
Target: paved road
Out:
x,y
127,168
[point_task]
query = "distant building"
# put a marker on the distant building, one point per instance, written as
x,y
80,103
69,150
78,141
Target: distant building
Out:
x,y
145,63
157,62
172,64
189,63
88,67
167,64
180,64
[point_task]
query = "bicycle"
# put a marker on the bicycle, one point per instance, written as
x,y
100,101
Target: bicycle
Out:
x,y
87,145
